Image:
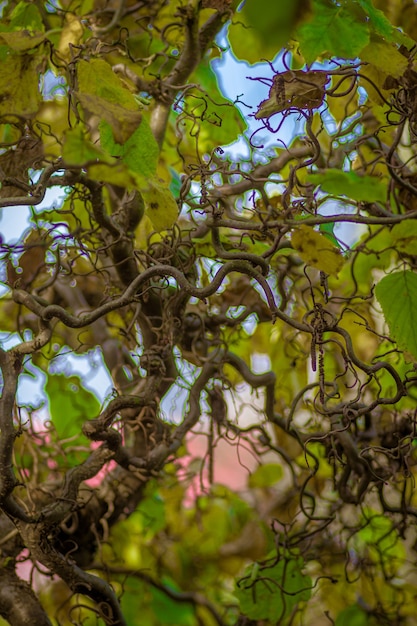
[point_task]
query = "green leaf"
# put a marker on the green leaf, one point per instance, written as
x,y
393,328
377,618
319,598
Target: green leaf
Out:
x,y
378,538
381,25
397,295
350,184
152,510
263,27
272,592
176,183
78,149
26,16
352,615
266,475
334,30
328,231
101,92
139,153
219,121
246,43
70,404
168,610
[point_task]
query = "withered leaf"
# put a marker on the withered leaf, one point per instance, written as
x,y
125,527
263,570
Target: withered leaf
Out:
x,y
15,164
31,263
294,88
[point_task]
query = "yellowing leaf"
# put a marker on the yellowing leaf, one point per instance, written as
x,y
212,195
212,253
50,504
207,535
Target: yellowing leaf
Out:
x,y
78,150
143,233
19,85
161,207
385,57
316,250
101,92
114,173
22,40
404,236
123,121
71,35
96,77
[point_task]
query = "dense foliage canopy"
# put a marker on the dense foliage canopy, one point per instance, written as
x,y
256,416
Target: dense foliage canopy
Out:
x,y
249,310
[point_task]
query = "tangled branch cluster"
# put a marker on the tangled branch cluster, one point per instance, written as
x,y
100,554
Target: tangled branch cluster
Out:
x,y
182,302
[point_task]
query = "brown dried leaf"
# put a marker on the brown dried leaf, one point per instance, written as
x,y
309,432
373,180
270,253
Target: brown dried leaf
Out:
x,y
295,88
15,163
31,263
220,5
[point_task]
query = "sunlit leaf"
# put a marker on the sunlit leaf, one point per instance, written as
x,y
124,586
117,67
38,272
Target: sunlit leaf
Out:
x,y
316,250
161,207
397,295
219,121
350,184
379,538
276,21
71,35
123,121
246,42
70,404
381,25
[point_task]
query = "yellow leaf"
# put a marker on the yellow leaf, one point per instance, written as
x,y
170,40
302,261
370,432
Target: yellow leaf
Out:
x,y
71,35
22,40
376,77
101,92
143,233
19,85
116,174
385,57
161,207
316,250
